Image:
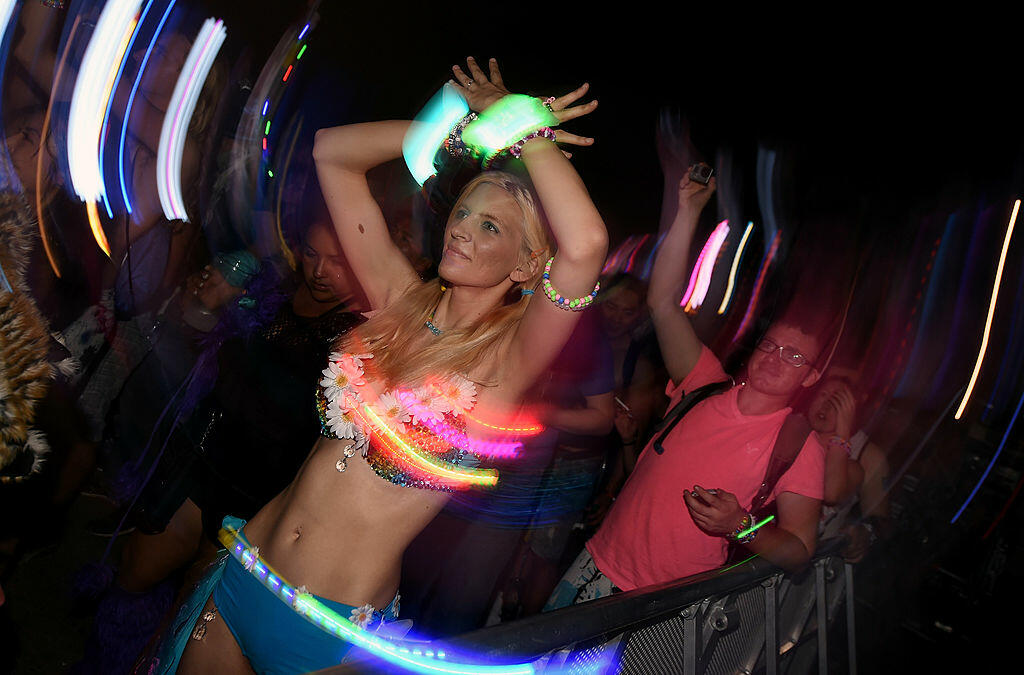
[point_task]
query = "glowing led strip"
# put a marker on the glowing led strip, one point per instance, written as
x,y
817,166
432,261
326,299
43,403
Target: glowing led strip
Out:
x,y
454,437
131,100
183,104
428,131
428,464
99,67
991,312
528,430
736,260
418,659
707,267
754,528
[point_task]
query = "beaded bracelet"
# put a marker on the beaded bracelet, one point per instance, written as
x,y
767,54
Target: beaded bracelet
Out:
x,y
745,524
575,304
842,443
516,149
453,144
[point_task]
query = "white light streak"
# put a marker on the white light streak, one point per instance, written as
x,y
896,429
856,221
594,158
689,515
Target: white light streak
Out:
x,y
100,65
179,115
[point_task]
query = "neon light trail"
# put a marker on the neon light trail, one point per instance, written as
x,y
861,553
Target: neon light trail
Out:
x,y
707,268
756,295
425,463
700,278
737,260
754,528
991,313
418,659
183,103
632,257
110,99
97,76
999,450
131,100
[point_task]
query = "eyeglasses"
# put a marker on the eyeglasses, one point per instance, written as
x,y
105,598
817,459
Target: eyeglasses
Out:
x,y
787,354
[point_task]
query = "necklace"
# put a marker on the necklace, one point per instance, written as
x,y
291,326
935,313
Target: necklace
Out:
x,y
429,323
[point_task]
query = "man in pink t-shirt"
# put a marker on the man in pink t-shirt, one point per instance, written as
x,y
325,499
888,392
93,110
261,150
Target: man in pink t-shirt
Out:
x,y
679,510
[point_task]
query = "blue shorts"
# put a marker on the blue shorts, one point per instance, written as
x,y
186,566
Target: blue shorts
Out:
x,y
273,636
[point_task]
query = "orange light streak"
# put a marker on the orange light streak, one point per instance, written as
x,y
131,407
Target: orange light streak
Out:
x,y
991,312
97,227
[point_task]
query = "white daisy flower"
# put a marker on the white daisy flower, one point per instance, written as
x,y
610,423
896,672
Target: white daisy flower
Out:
x,y
341,422
421,404
459,394
362,616
343,372
391,412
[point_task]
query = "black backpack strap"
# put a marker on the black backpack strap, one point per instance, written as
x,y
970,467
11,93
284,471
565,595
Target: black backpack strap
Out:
x,y
686,403
787,446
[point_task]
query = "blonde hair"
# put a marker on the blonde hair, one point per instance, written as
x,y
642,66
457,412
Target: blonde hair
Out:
x,y
390,334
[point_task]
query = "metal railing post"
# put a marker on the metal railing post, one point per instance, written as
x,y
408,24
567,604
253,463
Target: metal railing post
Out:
x,y
689,615
771,638
821,615
851,630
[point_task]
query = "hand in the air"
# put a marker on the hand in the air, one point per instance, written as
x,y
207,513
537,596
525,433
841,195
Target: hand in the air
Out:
x,y
693,196
482,90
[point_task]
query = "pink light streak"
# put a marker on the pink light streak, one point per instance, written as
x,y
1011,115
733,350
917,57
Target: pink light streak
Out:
x,y
707,266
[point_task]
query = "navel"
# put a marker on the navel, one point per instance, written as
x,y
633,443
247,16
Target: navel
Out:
x,y
361,230
297,532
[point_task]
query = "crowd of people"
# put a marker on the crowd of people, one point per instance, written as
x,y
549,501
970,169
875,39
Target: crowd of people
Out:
x,y
462,434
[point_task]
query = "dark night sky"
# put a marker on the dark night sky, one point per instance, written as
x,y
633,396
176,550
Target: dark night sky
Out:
x,y
876,120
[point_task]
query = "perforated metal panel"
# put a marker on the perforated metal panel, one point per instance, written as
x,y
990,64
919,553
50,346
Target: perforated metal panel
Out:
x,y
655,650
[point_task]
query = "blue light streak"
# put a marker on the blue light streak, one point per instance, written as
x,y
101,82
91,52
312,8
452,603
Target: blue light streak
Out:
x,y
265,105
988,469
131,99
303,33
110,101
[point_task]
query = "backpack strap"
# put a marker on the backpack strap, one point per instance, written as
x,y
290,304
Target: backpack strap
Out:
x,y
686,403
788,443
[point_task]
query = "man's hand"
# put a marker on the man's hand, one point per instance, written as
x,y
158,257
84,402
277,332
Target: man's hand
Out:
x,y
693,196
860,541
717,512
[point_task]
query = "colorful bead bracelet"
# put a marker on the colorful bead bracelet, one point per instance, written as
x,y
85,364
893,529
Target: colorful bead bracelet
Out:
x,y
568,304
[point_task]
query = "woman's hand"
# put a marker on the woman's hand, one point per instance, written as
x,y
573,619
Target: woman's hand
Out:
x,y
843,402
716,512
481,90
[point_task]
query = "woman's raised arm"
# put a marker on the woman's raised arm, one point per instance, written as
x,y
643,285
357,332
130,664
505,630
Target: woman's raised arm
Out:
x,y
343,155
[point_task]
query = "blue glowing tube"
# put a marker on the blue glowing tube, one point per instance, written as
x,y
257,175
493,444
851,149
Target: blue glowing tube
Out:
x,y
429,130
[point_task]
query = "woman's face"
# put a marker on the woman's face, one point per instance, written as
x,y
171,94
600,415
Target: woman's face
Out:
x,y
483,241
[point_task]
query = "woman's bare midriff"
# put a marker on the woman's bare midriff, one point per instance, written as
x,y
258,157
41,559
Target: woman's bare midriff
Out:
x,y
342,534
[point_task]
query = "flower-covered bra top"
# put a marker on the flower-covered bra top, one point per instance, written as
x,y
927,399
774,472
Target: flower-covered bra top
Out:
x,y
411,437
